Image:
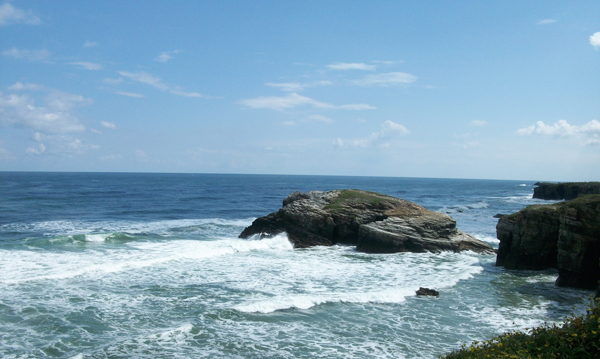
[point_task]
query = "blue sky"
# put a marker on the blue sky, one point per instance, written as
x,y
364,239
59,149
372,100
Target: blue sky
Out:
x,y
459,89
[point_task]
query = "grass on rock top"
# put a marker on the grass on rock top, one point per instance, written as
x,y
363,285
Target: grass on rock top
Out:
x,y
355,196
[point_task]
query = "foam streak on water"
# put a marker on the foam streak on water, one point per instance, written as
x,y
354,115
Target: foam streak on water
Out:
x,y
121,284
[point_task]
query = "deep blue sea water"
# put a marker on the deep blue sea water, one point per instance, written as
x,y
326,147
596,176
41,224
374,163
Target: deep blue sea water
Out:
x,y
110,265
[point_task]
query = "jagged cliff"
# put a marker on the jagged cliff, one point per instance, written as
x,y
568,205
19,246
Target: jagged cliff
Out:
x,y
566,190
564,235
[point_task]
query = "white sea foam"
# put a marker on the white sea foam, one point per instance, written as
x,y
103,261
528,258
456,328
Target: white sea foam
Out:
x,y
167,228
459,208
27,265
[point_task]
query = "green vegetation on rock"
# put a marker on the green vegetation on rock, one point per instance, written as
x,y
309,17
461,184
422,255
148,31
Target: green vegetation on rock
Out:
x,y
355,196
578,337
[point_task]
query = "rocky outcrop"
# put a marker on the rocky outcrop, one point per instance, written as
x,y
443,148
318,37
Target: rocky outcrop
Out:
x,y
567,190
564,235
374,222
428,292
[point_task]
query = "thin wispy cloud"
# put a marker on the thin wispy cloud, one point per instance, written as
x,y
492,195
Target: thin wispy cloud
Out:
x,y
165,56
31,55
18,86
546,22
87,65
108,125
320,118
588,134
343,66
389,131
295,86
294,100
595,40
386,79
13,15
90,44
478,123
156,82
130,94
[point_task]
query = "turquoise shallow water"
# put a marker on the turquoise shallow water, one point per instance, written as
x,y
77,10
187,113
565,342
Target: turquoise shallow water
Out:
x,y
149,265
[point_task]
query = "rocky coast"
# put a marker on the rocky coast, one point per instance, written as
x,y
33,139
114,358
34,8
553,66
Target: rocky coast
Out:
x,y
563,235
373,222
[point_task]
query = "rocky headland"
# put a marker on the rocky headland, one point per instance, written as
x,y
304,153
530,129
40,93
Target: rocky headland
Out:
x,y
564,235
567,190
374,222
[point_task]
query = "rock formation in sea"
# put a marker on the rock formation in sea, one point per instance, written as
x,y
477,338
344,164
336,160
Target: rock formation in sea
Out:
x,y
374,222
566,190
564,235
428,292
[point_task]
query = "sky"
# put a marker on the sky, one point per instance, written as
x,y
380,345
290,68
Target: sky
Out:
x,y
447,89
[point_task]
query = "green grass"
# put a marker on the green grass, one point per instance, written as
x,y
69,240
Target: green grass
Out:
x,y
356,197
578,337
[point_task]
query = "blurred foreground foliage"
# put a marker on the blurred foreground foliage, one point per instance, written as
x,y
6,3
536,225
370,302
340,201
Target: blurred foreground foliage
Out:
x,y
578,337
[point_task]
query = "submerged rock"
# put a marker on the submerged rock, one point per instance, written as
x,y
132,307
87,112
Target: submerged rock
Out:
x,y
374,222
428,292
564,235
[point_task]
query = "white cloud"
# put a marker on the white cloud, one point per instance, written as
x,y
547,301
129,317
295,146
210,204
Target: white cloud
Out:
x,y
141,155
59,144
110,158
130,94
295,86
478,123
294,100
389,131
320,118
595,40
90,44
12,15
289,123
156,82
186,94
87,65
110,125
351,66
165,56
386,79
26,86
546,22
56,116
41,148
588,134
145,78
31,55
93,130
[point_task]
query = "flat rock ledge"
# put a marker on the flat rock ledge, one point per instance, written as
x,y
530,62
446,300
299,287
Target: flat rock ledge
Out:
x,y
374,222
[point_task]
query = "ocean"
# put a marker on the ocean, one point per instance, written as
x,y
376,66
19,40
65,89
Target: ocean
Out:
x,y
127,265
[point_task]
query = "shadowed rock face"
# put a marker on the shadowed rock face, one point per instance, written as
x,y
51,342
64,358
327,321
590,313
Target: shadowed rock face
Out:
x,y
373,222
567,190
563,235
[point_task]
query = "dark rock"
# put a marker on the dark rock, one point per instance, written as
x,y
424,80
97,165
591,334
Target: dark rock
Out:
x,y
374,222
499,215
564,235
427,291
566,190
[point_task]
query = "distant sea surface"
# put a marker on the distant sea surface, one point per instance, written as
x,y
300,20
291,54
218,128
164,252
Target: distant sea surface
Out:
x,y
109,265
